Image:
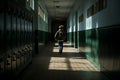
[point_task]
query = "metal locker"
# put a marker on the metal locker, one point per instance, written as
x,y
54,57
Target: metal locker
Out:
x,y
8,39
22,57
14,32
13,39
1,65
31,38
31,32
27,53
1,33
27,47
23,40
26,31
8,30
22,31
8,62
18,31
17,52
28,39
14,61
27,36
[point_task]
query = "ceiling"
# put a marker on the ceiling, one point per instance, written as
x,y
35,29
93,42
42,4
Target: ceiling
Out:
x,y
59,9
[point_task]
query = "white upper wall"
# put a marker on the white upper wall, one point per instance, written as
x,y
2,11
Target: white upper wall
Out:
x,y
106,17
43,21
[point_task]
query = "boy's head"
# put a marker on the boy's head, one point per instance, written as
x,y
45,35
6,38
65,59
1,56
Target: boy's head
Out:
x,y
61,27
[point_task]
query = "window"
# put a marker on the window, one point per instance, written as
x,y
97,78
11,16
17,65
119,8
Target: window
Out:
x,y
30,3
98,6
90,11
41,12
81,18
102,4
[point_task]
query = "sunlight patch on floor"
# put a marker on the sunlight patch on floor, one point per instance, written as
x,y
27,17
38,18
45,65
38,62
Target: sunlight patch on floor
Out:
x,y
65,44
65,49
71,64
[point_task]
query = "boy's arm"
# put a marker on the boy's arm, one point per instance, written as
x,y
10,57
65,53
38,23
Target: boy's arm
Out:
x,y
55,36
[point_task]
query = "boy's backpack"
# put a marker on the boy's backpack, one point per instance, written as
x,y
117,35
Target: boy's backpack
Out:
x,y
60,35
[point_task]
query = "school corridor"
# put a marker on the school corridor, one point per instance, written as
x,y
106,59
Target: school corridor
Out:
x,y
29,51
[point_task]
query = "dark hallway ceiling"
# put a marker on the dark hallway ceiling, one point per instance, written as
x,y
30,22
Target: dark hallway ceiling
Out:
x,y
59,9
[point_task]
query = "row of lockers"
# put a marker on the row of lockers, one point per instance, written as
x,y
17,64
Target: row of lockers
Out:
x,y
15,60
16,32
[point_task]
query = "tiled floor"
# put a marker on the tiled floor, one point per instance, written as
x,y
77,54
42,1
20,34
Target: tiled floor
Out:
x,y
49,65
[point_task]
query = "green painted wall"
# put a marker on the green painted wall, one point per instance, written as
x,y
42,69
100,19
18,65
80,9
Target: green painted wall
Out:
x,y
89,40
109,51
70,38
92,46
101,48
97,34
43,37
43,30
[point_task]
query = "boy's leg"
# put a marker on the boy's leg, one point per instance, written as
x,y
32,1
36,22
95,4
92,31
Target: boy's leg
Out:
x,y
60,45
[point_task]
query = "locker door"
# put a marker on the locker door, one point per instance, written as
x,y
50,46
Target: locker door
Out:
x,y
31,32
18,31
8,41
30,47
28,32
25,32
1,65
1,32
22,31
1,42
14,43
18,60
8,31
20,41
14,33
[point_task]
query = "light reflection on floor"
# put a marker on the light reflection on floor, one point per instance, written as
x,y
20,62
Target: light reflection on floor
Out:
x,y
72,64
65,49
